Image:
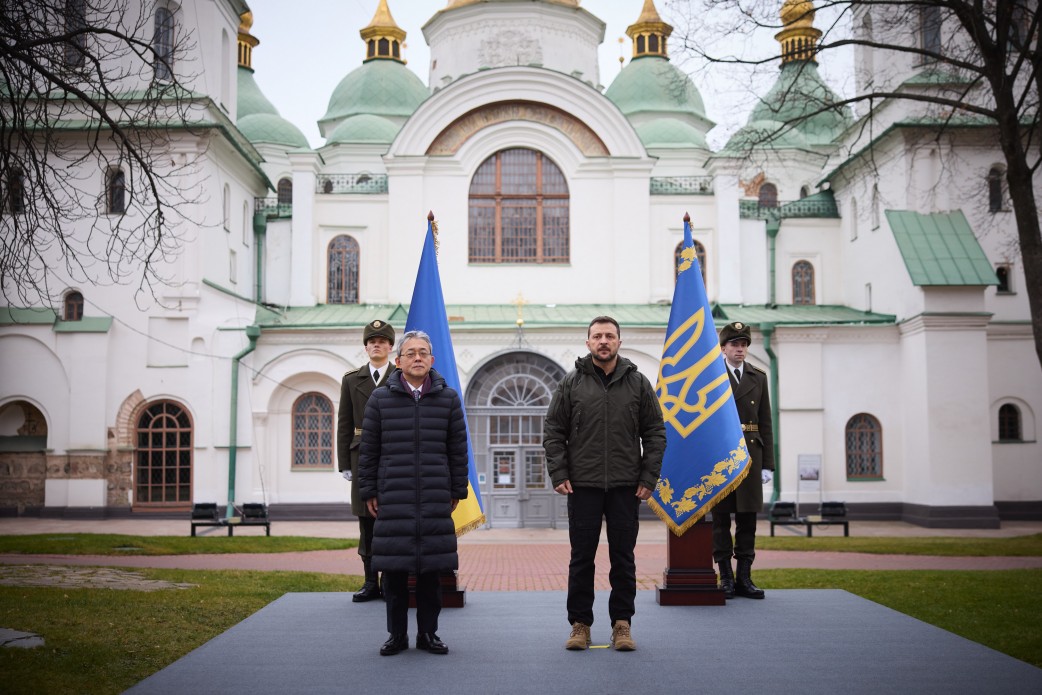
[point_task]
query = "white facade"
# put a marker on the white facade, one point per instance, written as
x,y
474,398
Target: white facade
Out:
x,y
933,365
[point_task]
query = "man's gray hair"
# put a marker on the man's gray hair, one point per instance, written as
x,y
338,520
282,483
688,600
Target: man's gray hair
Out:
x,y
409,335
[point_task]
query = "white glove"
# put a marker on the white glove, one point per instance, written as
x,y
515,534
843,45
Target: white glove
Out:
x,y
347,474
766,476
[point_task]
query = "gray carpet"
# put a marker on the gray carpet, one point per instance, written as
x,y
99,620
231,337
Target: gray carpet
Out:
x,y
800,641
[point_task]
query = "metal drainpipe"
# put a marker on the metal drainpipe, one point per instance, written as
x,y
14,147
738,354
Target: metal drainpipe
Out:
x,y
767,329
252,332
260,229
773,225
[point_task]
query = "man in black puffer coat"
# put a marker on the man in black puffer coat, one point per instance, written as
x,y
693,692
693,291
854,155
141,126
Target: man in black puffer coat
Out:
x,y
412,472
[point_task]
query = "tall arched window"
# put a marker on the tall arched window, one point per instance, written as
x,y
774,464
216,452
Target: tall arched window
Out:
x,y
226,208
1002,273
163,456
930,30
312,432
802,282
518,210
72,307
285,191
996,192
163,44
700,254
768,196
864,437
76,45
116,192
342,287
14,195
1009,423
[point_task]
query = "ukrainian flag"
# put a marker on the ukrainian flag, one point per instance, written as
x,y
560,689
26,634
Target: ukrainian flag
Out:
x,y
427,313
706,455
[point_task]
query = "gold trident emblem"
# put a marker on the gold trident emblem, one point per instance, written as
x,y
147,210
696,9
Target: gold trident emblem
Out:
x,y
681,401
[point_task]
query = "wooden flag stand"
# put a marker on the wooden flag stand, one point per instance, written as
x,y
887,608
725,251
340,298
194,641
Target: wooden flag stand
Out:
x,y
690,578
452,596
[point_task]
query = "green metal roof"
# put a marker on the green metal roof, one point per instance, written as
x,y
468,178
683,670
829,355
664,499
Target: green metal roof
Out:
x,y
13,316
364,128
379,87
504,316
940,249
652,83
800,99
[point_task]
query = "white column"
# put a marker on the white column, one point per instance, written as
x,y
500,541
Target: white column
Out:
x,y
728,260
303,255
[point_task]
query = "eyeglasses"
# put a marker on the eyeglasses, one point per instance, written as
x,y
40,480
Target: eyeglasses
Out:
x,y
413,354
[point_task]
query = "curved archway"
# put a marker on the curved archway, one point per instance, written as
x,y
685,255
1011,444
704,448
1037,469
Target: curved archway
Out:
x,y
506,404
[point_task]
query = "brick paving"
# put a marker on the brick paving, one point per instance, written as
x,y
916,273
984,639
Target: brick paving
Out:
x,y
506,559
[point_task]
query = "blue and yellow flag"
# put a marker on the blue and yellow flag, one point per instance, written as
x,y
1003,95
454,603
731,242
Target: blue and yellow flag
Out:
x,y
427,313
706,455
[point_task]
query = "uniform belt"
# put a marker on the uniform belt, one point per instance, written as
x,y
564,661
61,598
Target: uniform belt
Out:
x,y
750,428
358,431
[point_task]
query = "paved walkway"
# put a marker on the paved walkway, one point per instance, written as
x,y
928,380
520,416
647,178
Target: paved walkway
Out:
x,y
505,559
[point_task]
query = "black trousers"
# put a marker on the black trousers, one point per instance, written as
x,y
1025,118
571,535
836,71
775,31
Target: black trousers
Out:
x,y
744,545
586,507
366,524
428,601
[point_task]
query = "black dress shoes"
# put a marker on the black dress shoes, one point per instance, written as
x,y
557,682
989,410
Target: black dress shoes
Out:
x,y
397,643
432,643
370,591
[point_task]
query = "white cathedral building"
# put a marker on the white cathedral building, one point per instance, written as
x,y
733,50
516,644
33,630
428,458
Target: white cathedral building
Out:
x,y
887,306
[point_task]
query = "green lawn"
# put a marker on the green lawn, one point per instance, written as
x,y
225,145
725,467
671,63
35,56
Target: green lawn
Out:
x,y
111,544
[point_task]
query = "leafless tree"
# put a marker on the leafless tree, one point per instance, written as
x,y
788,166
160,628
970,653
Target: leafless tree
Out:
x,y
981,60
92,94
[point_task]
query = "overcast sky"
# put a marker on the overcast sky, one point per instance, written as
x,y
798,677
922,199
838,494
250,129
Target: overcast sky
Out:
x,y
308,46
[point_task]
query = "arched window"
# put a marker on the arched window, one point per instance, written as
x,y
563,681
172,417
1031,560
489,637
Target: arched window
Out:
x,y
996,192
285,191
700,254
312,432
163,456
853,219
804,192
930,30
72,307
768,195
76,45
342,287
864,437
115,192
518,210
1009,423
226,66
14,198
874,212
163,44
1002,272
803,283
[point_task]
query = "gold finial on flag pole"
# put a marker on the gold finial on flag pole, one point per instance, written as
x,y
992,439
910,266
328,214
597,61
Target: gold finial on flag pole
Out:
x,y
434,229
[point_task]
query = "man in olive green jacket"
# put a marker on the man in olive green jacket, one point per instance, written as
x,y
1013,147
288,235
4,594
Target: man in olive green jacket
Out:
x,y
604,441
355,389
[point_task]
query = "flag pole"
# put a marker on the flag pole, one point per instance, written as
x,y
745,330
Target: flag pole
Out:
x,y
689,578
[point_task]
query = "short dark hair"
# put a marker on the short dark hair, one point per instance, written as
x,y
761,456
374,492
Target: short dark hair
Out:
x,y
604,319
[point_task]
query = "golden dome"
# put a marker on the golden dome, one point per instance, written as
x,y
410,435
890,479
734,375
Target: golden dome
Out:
x,y
649,32
797,13
798,37
245,22
383,37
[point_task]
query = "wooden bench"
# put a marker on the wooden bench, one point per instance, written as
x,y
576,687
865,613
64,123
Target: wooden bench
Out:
x,y
783,514
206,514
251,514
832,514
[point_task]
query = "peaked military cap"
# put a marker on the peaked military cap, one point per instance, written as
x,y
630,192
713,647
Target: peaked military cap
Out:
x,y
736,330
378,329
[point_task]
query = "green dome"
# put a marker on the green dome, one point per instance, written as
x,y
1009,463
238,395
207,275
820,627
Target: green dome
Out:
x,y
364,128
669,132
271,128
652,83
766,133
251,99
380,87
800,91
